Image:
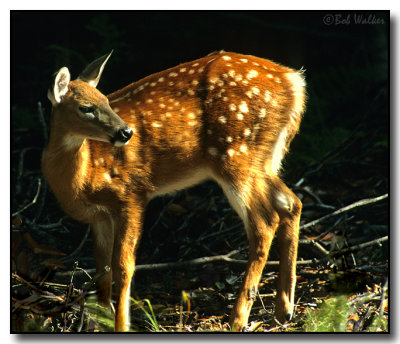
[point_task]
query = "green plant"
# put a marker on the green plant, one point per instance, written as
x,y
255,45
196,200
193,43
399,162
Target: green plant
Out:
x,y
102,317
152,318
330,317
343,314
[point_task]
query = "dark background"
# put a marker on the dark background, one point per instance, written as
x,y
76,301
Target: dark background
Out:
x,y
341,153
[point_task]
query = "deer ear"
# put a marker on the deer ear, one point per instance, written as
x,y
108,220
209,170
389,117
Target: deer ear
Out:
x,y
60,87
92,73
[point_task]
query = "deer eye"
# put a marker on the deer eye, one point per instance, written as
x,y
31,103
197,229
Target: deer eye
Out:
x,y
87,109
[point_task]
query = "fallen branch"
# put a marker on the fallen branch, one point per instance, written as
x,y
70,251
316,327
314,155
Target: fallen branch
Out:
x,y
57,224
33,201
345,209
316,244
226,258
358,247
192,262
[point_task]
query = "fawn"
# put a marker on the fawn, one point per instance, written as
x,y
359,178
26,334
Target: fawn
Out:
x,y
226,117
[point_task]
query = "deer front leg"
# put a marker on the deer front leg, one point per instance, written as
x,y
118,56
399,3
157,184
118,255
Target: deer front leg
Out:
x,y
126,239
103,237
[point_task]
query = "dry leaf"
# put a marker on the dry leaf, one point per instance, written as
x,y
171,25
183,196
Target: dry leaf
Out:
x,y
176,209
53,263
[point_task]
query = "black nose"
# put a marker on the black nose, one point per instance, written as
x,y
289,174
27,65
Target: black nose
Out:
x,y
124,135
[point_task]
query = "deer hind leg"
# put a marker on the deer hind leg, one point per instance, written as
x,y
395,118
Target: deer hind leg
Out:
x,y
289,208
127,235
103,237
261,221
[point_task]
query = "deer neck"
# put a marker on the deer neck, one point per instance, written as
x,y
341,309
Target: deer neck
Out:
x,y
65,164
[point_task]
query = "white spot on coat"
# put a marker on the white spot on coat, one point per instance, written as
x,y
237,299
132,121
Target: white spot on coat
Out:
x,y
262,113
267,96
238,77
252,74
107,177
243,107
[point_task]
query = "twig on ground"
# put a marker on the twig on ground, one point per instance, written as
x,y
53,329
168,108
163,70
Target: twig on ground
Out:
x,y
382,303
68,295
358,247
241,262
88,285
87,272
315,244
193,262
306,190
81,317
57,224
345,209
72,303
41,202
339,221
33,201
